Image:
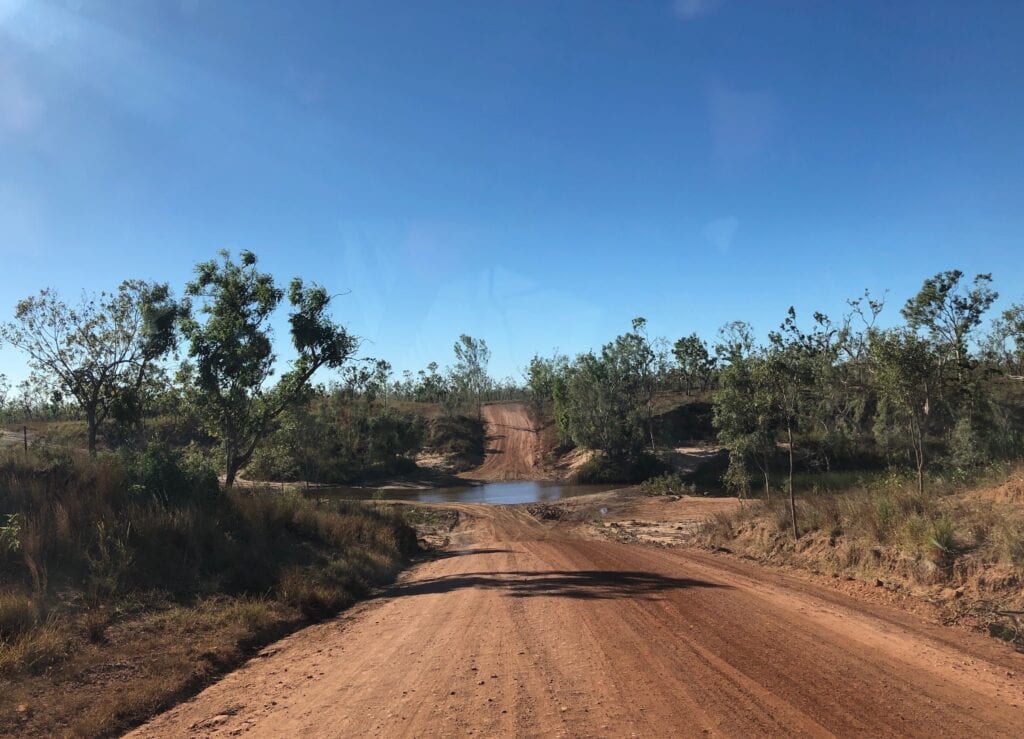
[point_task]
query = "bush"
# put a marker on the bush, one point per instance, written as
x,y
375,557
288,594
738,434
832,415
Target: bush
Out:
x,y
669,483
600,469
169,477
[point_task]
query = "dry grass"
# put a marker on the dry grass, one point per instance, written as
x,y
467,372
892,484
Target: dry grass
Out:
x,y
123,593
18,614
953,541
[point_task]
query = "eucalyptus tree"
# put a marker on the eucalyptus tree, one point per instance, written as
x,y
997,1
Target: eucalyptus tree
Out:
x,y
469,377
695,362
949,310
743,414
232,354
1008,341
905,373
787,379
99,352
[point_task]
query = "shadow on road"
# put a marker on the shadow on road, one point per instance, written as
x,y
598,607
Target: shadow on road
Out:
x,y
446,553
580,584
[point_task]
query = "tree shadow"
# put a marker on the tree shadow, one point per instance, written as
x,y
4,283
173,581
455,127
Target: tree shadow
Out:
x,y
577,584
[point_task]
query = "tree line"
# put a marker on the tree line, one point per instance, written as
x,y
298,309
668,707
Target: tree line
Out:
x,y
847,393
942,386
208,360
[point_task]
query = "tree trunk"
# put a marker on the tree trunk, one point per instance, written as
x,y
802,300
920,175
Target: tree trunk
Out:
x,y
918,437
792,495
230,465
90,420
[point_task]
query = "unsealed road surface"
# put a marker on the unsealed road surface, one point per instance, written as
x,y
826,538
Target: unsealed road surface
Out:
x,y
525,631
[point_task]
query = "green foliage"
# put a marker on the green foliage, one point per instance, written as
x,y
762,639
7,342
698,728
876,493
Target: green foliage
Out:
x,y
170,477
948,310
101,352
603,401
337,439
601,469
468,378
10,532
233,354
905,373
668,483
696,366
743,411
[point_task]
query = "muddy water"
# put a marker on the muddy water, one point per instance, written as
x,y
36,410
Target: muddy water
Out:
x,y
491,492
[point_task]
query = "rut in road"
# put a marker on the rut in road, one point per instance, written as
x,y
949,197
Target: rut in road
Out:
x,y
524,630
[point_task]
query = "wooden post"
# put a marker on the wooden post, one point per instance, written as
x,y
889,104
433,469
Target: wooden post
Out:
x,y
24,432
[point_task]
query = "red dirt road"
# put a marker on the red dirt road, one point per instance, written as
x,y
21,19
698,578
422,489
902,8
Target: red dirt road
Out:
x,y
522,630
512,446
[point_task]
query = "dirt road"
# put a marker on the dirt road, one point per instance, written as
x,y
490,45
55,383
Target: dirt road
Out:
x,y
512,446
523,630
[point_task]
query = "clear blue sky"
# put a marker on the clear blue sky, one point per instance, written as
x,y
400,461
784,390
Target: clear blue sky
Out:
x,y
535,173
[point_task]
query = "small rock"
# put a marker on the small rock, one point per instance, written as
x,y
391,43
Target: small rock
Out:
x,y
878,583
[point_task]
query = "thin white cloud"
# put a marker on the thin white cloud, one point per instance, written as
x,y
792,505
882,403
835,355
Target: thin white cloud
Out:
x,y
688,10
721,232
743,125
20,107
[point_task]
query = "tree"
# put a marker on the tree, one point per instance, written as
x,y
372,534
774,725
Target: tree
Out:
x,y
1008,341
949,310
633,362
233,357
469,375
905,370
99,352
787,378
743,414
696,365
5,389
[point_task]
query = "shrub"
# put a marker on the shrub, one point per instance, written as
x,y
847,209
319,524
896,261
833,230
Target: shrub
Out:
x,y
169,477
668,483
601,469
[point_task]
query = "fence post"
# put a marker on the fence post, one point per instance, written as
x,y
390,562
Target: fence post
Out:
x,y
24,433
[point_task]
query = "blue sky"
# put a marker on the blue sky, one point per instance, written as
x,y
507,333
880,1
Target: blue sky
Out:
x,y
535,173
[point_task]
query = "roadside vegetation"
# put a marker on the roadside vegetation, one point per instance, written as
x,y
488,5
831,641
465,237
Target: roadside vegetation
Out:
x,y
130,580
960,543
133,566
